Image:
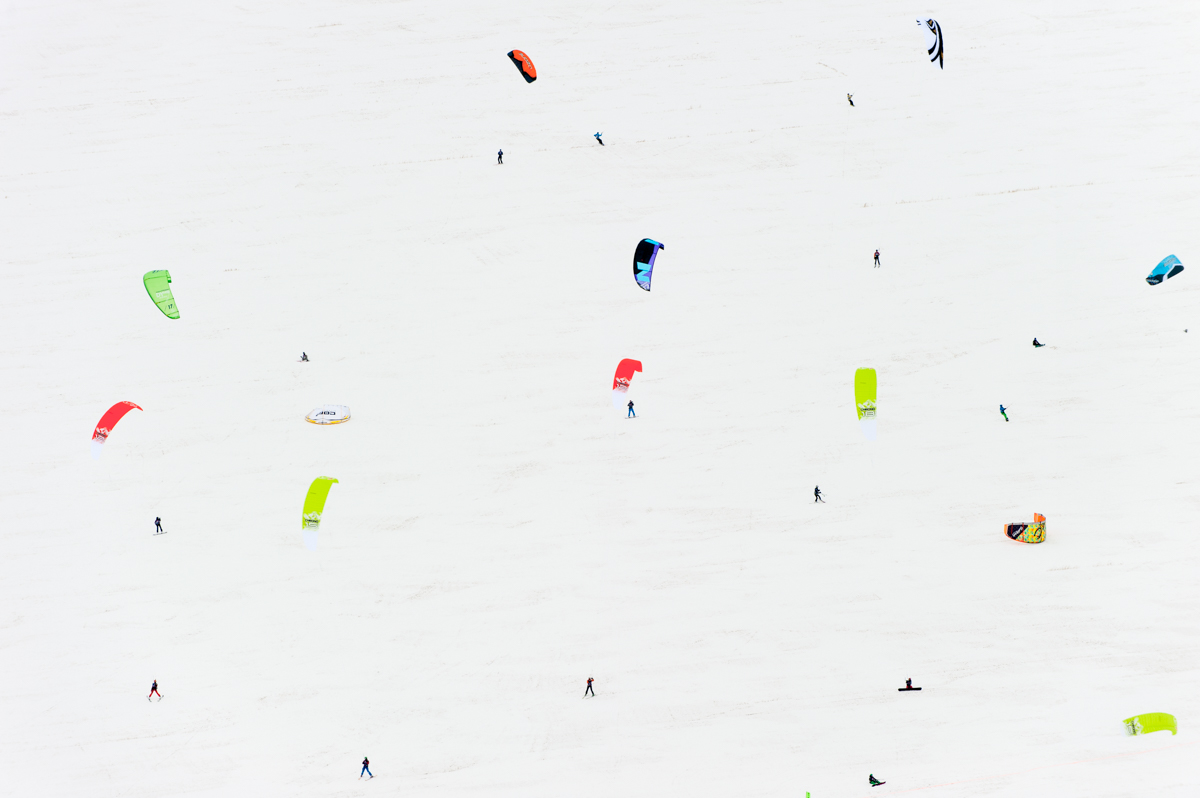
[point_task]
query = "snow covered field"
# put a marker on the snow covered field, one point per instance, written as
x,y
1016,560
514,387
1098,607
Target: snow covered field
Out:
x,y
321,176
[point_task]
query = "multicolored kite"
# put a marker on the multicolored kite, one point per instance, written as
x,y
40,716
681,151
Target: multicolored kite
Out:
x,y
524,64
643,261
933,40
1167,268
622,379
1028,533
865,390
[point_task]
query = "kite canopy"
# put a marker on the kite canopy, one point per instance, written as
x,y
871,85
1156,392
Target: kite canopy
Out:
x,y
865,389
1151,722
622,379
524,64
106,423
158,286
328,414
1167,268
933,40
643,261
1028,533
314,506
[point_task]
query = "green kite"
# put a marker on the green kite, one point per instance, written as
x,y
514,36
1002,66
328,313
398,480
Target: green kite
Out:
x,y
314,506
158,286
1150,722
864,400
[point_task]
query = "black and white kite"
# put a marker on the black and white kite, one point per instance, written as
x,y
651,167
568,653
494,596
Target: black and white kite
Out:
x,y
933,40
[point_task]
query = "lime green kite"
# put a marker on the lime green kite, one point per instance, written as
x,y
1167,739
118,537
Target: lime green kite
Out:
x,y
864,400
1150,722
158,286
314,506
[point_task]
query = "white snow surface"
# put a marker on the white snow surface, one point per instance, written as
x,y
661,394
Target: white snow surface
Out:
x,y
321,176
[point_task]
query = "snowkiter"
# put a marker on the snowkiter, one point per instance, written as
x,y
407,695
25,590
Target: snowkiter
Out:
x,y
366,769
631,413
850,97
1003,413
1036,344
589,689
817,495
499,159
874,781
598,134
303,357
908,684
876,259
158,530
154,690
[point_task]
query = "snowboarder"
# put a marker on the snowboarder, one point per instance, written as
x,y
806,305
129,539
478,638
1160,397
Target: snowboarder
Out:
x,y
850,97
499,159
366,769
158,530
876,259
154,690
1036,344
589,689
303,357
598,134
631,413
908,684
1003,413
817,495
874,781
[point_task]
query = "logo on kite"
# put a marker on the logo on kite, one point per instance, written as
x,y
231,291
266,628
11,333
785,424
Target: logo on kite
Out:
x,y
621,380
329,414
865,391
106,423
1167,268
524,64
933,40
314,508
158,286
1028,533
1151,722
643,261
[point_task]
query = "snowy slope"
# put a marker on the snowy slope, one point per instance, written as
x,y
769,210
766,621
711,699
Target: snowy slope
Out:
x,y
321,177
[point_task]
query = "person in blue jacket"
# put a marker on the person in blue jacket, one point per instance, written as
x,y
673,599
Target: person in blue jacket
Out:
x,y
1003,413
500,157
366,769
598,135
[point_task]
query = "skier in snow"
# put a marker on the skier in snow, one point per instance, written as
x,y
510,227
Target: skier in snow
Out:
x,y
598,134
500,157
874,781
850,97
1003,413
366,769
589,689
158,530
876,259
1036,344
154,690
631,413
817,495
304,357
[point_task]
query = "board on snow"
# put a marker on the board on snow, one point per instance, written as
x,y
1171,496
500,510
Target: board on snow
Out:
x,y
876,785
906,689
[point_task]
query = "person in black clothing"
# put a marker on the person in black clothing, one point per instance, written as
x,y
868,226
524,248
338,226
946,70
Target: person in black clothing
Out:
x,y
631,413
304,357
850,97
1036,344
877,259
158,530
874,781
908,683
589,689
817,495
500,157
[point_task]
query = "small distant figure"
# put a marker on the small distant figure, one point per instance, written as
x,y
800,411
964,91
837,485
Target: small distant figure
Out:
x,y
874,781
1003,413
303,357
499,159
850,97
589,689
908,686
1036,344
908,683
627,415
598,134
158,530
154,690
876,259
817,495
366,769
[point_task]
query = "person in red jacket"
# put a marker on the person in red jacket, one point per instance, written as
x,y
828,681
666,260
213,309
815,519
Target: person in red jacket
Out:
x,y
589,689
